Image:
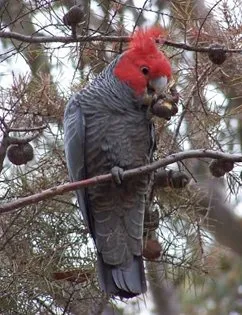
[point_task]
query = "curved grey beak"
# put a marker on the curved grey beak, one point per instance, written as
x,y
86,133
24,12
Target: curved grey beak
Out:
x,y
158,85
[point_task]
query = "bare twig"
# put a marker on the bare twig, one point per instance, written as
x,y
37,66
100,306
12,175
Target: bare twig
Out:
x,y
186,106
61,189
3,149
29,129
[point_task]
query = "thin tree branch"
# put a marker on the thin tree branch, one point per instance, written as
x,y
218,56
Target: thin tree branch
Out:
x,y
13,140
100,38
3,149
29,129
61,189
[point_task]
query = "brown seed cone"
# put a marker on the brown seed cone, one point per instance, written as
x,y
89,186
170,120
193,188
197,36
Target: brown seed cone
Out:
x,y
152,249
20,154
164,109
217,54
227,165
216,168
73,16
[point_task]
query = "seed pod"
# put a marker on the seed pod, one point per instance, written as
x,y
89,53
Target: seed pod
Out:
x,y
217,54
227,165
73,17
216,168
152,249
164,109
221,166
20,154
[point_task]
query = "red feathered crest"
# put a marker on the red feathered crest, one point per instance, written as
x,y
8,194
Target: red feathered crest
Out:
x,y
144,40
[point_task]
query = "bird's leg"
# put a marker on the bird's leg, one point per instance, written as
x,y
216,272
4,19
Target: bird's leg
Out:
x,y
118,175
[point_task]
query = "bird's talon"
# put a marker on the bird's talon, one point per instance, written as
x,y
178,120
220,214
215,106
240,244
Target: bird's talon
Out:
x,y
117,174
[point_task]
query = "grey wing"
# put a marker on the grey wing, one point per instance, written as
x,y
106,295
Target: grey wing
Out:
x,y
74,144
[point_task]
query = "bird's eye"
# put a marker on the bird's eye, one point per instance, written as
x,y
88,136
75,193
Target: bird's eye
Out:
x,y
145,70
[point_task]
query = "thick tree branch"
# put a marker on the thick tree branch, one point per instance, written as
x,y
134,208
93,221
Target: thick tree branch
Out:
x,y
100,38
217,215
61,189
163,292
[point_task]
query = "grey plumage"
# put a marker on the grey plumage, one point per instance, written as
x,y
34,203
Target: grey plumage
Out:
x,y
106,126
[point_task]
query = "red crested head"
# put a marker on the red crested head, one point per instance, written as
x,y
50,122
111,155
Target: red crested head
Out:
x,y
143,63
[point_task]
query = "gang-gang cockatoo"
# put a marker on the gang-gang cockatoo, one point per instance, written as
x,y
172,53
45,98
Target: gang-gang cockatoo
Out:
x,y
107,129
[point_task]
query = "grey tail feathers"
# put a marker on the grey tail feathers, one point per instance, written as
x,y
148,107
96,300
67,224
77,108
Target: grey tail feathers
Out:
x,y
126,282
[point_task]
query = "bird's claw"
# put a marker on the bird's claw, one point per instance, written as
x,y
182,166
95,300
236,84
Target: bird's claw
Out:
x,y
117,174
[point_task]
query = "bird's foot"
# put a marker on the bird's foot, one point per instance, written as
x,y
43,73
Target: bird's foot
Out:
x,y
118,175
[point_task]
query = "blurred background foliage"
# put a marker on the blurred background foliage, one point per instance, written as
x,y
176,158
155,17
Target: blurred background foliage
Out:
x,y
47,260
